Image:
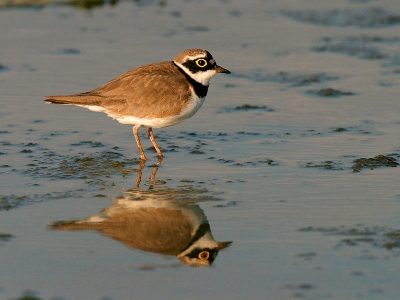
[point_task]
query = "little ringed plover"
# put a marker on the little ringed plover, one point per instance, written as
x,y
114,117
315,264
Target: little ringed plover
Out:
x,y
156,95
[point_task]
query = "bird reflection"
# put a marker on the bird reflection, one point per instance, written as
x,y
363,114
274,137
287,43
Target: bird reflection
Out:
x,y
164,221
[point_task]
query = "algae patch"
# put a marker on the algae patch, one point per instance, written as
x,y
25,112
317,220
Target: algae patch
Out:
x,y
265,161
283,77
28,295
329,93
371,17
378,237
357,164
328,165
375,162
369,47
94,166
245,108
95,170
89,144
11,201
5,237
3,68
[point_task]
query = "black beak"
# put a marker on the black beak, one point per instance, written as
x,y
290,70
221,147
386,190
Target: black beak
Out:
x,y
219,69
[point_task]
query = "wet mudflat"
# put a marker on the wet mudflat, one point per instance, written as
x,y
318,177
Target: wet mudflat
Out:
x,y
293,157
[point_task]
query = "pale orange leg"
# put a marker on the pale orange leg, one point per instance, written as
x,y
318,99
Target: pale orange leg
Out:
x,y
139,174
153,174
135,134
151,137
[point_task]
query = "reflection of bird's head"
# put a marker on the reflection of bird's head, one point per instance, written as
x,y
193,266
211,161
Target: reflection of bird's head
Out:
x,y
202,257
203,249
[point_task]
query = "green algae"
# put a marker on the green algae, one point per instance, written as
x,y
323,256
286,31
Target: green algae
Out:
x,y
28,295
89,144
8,202
375,162
80,4
379,237
369,47
339,129
358,164
5,237
283,77
329,93
196,151
97,165
370,17
246,107
328,165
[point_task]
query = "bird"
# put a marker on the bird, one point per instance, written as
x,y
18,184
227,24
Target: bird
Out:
x,y
154,222
156,95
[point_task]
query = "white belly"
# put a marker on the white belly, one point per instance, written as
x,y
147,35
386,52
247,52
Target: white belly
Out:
x,y
191,108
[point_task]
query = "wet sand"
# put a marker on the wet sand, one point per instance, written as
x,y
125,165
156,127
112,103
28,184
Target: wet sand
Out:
x,y
293,157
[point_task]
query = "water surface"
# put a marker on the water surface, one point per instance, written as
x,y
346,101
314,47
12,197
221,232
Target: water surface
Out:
x,y
292,157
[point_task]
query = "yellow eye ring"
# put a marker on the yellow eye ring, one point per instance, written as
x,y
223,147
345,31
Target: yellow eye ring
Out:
x,y
201,62
204,255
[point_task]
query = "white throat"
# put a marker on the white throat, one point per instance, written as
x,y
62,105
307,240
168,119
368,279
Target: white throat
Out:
x,y
200,77
206,241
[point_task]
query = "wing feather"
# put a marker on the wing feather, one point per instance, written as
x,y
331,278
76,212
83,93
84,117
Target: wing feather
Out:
x,y
145,92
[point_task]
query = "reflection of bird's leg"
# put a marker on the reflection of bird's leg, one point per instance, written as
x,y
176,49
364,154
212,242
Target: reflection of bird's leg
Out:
x,y
135,134
153,174
152,178
139,174
153,141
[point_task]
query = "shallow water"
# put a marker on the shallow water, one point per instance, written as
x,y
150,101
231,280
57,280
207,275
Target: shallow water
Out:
x,y
269,161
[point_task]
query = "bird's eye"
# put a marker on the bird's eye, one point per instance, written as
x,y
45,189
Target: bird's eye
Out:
x,y
204,255
201,62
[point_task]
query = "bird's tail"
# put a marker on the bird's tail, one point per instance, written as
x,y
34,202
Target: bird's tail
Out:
x,y
78,99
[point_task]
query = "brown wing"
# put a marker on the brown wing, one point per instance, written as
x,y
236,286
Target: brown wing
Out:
x,y
157,230
145,92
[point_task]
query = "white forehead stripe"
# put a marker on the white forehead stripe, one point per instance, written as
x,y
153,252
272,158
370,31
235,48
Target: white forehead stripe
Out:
x,y
201,55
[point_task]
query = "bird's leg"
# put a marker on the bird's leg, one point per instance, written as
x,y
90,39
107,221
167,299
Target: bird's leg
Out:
x,y
135,134
151,137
